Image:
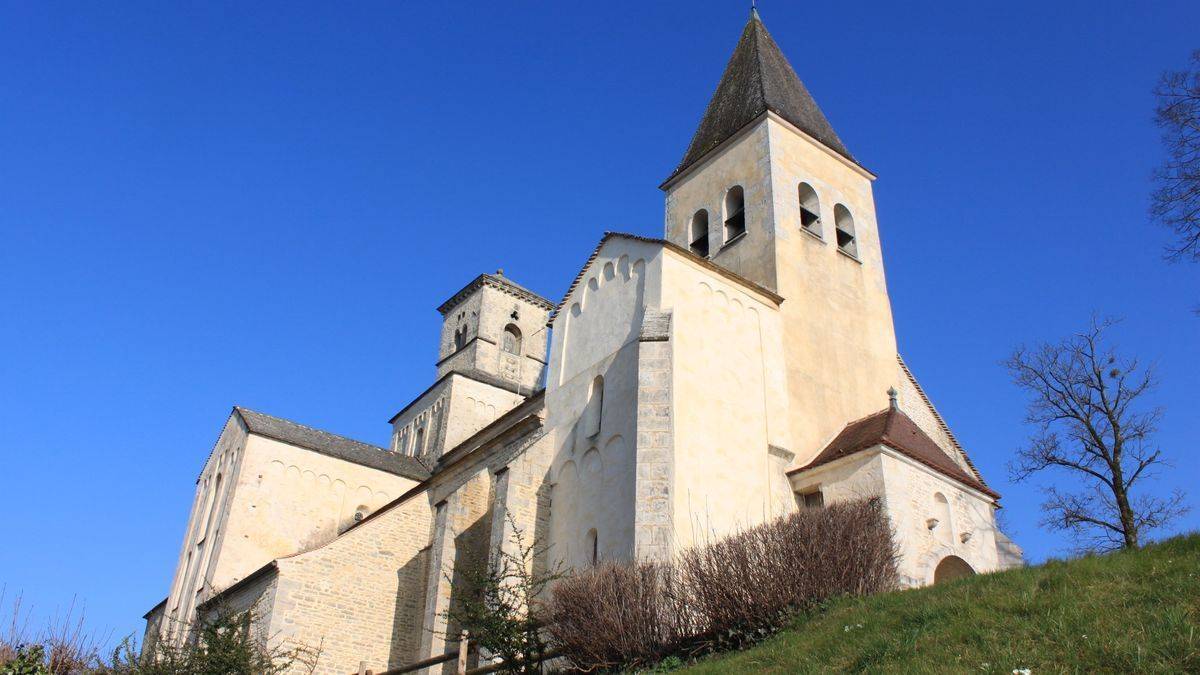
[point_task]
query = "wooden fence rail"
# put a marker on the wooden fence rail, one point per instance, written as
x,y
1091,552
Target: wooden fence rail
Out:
x,y
465,648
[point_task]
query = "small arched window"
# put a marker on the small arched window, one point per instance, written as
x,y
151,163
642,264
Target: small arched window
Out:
x,y
735,213
595,408
512,339
943,529
460,337
698,233
419,443
810,209
844,223
593,546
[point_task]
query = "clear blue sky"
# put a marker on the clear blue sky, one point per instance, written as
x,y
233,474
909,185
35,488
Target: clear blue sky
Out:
x,y
206,204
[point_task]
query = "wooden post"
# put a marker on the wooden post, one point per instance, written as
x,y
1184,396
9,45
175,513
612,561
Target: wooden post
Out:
x,y
464,645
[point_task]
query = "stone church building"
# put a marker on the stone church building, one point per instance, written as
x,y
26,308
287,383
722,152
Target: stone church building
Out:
x,y
741,367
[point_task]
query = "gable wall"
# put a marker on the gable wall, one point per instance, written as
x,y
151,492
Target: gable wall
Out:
x,y
359,597
596,334
288,499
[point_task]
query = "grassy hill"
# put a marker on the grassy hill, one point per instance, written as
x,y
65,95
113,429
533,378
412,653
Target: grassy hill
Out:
x,y
1122,612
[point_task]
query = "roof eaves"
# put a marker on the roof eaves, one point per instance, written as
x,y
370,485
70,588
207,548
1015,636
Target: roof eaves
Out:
x,y
499,282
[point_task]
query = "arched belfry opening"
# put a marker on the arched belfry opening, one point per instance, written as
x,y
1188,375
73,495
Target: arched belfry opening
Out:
x,y
735,213
843,222
810,209
512,339
698,233
950,568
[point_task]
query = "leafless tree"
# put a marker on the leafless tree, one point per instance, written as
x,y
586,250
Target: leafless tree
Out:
x,y
1086,403
1175,201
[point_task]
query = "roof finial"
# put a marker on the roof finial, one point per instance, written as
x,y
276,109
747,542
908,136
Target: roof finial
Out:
x,y
754,9
892,398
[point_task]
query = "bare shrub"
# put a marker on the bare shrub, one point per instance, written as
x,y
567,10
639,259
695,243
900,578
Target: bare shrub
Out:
x,y
724,594
61,647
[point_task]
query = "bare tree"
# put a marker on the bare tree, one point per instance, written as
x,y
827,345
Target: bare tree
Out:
x,y
1092,424
1175,201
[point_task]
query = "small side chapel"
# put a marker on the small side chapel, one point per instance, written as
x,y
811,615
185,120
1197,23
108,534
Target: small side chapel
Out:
x,y
741,367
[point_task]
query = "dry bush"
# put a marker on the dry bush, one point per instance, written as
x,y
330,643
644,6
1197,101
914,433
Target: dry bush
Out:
x,y
63,646
724,594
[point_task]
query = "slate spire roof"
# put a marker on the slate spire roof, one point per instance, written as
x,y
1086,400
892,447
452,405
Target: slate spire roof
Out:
x,y
758,78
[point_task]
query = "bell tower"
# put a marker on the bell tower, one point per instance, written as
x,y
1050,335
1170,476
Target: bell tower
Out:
x,y
768,190
493,330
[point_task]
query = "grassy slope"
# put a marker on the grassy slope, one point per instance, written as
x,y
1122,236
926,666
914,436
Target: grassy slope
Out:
x,y
1121,612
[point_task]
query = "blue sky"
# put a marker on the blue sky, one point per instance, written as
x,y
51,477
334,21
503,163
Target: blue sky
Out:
x,y
208,204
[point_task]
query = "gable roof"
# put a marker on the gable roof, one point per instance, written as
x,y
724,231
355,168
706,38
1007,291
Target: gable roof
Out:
x,y
758,78
896,430
500,282
332,445
675,248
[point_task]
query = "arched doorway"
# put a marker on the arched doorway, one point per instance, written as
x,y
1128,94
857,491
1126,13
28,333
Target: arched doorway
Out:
x,y
950,568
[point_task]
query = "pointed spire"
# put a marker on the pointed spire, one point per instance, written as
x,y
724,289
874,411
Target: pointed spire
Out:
x,y
758,78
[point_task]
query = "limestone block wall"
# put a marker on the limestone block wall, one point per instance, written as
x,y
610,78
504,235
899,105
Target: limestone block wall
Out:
x,y
288,499
484,316
461,534
420,428
655,458
359,597
206,523
856,477
257,595
448,414
474,405
914,495
911,495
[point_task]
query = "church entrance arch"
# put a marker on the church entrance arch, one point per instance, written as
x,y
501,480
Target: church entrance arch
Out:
x,y
950,568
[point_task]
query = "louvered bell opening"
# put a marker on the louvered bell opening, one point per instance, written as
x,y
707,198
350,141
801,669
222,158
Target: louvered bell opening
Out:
x,y
700,245
735,224
845,241
809,219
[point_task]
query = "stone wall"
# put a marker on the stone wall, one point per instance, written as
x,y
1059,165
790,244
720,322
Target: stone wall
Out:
x,y
909,491
655,457
359,597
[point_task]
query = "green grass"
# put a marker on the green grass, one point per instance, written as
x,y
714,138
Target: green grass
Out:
x,y
1122,612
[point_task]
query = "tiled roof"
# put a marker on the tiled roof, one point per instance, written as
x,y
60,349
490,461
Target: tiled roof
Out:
x,y
896,430
333,445
758,78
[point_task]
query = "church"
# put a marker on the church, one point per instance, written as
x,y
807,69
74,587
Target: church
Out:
x,y
682,388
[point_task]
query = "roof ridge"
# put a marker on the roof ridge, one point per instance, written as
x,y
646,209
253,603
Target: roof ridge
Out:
x,y
758,78
243,409
708,264
938,417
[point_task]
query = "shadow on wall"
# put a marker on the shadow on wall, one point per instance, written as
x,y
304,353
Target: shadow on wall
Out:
x,y
470,556
410,610
581,322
